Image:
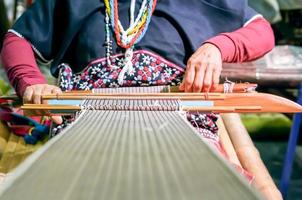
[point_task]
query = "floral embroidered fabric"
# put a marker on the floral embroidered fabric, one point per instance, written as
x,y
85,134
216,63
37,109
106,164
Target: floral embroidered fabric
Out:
x,y
149,70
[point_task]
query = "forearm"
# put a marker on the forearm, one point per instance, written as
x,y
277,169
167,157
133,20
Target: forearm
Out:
x,y
19,63
247,43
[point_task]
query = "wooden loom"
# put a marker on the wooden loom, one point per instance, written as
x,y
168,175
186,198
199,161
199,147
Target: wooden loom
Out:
x,y
215,102
243,99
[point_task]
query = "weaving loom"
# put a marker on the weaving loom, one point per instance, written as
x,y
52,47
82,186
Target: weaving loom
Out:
x,y
243,100
127,155
127,148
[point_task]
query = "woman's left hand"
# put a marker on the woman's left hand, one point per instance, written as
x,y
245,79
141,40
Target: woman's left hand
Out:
x,y
203,70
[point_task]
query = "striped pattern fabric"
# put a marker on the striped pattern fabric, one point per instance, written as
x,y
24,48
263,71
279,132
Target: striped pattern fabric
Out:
x,y
127,155
130,104
149,89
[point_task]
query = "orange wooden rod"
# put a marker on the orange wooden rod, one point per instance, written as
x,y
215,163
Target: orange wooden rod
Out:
x,y
181,96
41,109
223,109
237,88
268,102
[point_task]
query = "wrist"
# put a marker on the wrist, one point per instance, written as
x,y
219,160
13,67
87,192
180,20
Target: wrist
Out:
x,y
214,48
225,46
22,84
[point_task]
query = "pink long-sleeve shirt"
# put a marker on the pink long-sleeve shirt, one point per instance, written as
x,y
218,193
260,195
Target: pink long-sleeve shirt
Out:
x,y
245,44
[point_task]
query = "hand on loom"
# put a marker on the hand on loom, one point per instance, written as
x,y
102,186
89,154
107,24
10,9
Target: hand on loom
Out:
x,y
203,70
33,94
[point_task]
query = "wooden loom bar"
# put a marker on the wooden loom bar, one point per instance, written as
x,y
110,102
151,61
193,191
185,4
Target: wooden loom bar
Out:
x,y
237,88
50,107
174,92
226,103
268,102
223,109
47,110
157,96
72,94
32,110
185,108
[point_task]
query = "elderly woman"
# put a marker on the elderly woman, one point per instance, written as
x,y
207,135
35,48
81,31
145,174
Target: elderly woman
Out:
x,y
95,44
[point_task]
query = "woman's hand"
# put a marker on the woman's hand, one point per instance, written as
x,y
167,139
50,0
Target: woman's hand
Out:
x,y
34,93
203,70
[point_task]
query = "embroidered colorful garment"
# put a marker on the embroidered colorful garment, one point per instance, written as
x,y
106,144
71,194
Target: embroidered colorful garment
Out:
x,y
148,70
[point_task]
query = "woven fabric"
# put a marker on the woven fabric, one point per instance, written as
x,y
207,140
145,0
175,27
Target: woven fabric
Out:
x,y
127,155
150,89
129,104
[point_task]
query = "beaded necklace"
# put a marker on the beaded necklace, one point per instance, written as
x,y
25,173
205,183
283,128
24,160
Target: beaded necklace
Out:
x,y
129,37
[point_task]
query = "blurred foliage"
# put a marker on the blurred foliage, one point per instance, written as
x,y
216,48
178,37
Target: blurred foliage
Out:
x,y
4,87
267,125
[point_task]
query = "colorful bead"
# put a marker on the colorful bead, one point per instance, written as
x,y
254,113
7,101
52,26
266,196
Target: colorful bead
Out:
x,y
126,39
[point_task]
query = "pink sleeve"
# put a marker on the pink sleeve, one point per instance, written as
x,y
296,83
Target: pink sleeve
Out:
x,y
19,63
247,43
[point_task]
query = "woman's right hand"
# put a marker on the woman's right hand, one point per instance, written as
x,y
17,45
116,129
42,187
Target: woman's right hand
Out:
x,y
33,94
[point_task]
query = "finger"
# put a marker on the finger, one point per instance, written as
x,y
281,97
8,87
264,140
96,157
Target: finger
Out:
x,y
27,96
57,119
207,81
56,90
46,90
37,94
214,87
189,78
216,78
198,80
182,86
